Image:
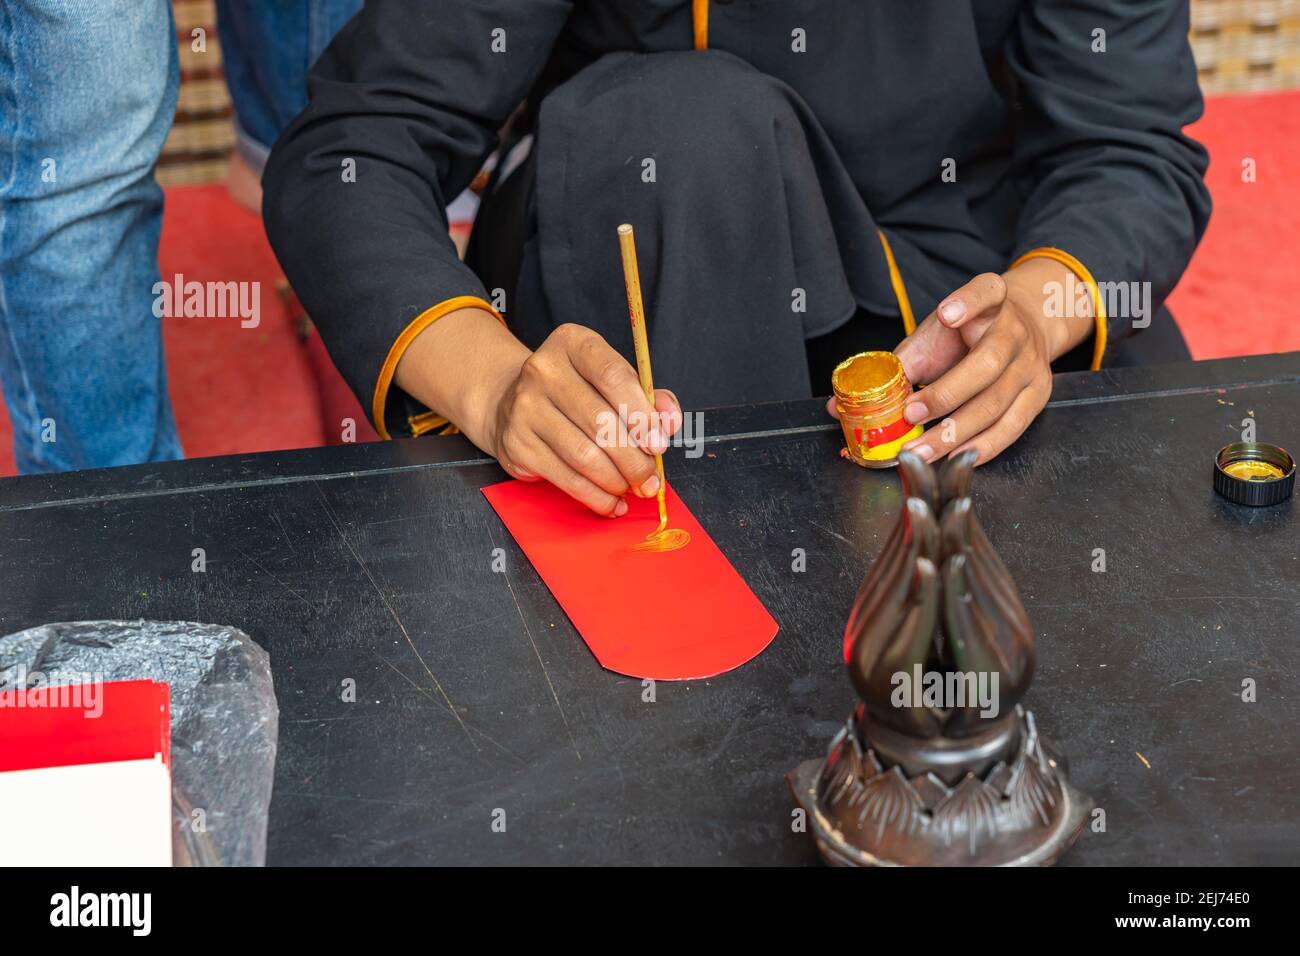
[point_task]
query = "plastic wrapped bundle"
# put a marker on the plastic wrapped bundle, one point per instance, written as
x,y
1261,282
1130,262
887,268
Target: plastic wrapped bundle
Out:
x,y
224,718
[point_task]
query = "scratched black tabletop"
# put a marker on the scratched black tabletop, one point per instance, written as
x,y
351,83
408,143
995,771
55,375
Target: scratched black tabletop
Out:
x,y
475,695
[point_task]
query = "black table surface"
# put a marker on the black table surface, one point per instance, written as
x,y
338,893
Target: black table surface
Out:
x,y
344,562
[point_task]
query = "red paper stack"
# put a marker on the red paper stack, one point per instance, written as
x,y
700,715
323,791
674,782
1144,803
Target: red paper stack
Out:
x,y
85,775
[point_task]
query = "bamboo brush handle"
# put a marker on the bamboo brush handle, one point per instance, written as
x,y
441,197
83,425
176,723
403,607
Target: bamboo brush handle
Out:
x,y
636,309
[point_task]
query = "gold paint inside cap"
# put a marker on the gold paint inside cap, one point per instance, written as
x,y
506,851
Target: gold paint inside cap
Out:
x,y
1255,461
1253,470
867,375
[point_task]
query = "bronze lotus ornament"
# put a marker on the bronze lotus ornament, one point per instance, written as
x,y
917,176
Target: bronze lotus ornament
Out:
x,y
938,763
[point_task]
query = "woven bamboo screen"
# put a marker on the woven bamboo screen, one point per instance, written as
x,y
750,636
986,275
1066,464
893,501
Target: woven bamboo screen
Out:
x,y
1240,45
1246,45
202,135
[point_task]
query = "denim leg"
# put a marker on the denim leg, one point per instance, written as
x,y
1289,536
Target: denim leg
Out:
x,y
87,95
267,48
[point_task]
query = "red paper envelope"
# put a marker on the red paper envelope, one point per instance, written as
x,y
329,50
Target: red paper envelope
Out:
x,y
675,615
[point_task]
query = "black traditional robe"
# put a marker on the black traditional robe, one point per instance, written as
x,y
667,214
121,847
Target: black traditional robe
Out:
x,y
799,172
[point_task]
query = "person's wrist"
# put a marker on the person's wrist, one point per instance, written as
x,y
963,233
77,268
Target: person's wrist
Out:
x,y
460,366
1039,289
484,398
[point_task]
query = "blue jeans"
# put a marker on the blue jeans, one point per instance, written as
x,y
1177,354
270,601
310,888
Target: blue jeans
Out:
x,y
267,48
87,95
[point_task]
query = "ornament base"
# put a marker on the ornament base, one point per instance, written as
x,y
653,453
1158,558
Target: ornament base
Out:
x,y
1019,813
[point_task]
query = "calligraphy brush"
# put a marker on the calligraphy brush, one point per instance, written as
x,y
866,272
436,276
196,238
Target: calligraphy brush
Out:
x,y
662,538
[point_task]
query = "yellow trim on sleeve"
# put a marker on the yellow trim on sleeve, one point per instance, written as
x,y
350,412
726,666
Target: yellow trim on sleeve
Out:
x,y
900,290
417,325
426,422
700,19
1083,275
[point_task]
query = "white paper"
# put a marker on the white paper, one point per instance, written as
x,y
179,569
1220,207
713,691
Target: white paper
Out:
x,y
99,814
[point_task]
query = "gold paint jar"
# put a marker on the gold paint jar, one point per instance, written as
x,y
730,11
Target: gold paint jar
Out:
x,y
870,392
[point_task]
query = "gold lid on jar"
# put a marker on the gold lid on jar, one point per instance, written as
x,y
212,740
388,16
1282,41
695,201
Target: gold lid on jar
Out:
x,y
867,378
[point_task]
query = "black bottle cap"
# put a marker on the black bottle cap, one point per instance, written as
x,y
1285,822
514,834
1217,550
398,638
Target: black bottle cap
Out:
x,y
1254,473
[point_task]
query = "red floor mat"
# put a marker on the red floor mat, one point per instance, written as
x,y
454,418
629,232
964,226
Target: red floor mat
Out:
x,y
1235,299
242,390
233,389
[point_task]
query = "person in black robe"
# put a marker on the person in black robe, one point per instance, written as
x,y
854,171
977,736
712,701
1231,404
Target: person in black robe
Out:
x,y
1004,185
